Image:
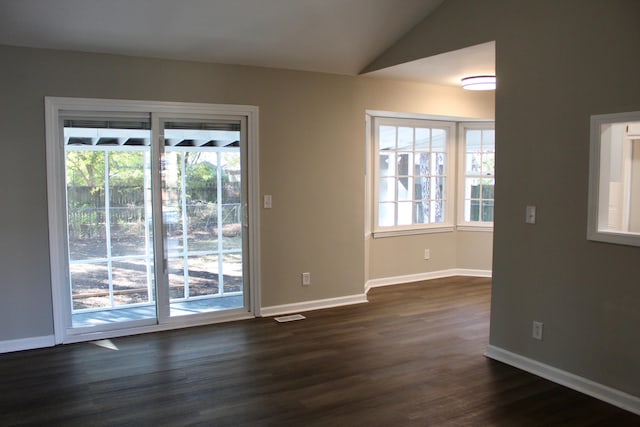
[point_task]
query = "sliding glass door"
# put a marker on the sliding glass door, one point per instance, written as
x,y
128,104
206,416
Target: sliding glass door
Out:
x,y
155,221
109,220
202,212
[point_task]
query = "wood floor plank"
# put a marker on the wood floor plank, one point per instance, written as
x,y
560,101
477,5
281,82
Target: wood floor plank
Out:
x,y
412,356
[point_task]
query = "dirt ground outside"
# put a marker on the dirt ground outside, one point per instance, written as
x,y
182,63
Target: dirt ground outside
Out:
x,y
132,274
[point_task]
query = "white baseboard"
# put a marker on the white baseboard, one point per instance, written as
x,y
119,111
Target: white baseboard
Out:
x,y
599,391
397,280
27,343
277,310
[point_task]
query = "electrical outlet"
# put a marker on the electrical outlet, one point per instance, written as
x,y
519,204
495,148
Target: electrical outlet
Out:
x,y
427,254
268,201
536,332
306,279
530,215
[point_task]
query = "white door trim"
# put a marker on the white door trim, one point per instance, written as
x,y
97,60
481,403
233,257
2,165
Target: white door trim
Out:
x,y
57,205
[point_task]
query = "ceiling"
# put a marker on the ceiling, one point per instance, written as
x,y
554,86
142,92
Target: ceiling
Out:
x,y
332,36
447,68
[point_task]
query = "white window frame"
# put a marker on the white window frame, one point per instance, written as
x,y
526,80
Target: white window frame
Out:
x,y
54,108
450,177
462,224
600,180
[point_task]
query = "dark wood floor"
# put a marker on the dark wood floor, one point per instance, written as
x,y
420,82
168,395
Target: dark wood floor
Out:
x,y
412,356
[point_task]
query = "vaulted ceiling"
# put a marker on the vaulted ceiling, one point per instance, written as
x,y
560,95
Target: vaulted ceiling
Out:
x,y
333,36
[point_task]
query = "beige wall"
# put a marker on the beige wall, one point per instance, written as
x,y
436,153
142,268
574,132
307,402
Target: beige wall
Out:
x,y
558,63
399,256
312,161
404,255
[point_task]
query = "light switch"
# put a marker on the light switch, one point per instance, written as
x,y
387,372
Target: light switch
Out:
x,y
530,216
267,201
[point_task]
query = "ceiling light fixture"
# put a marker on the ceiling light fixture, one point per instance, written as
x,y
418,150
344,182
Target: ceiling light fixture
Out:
x,y
485,82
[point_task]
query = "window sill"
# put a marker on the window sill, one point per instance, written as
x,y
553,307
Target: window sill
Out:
x,y
628,238
469,227
413,231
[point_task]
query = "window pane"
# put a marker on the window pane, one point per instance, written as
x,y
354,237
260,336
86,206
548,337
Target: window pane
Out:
x,y
439,164
387,164
438,210
201,187
488,163
386,214
422,188
421,162
232,226
232,266
387,138
439,140
474,141
472,210
132,282
405,189
487,189
488,140
387,190
479,163
439,187
203,275
405,213
473,164
176,277
89,285
405,138
85,173
487,210
423,139
172,196
404,160
472,188
201,232
421,209
130,218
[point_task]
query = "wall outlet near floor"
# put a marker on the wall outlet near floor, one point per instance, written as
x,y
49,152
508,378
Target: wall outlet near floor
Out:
x,y
268,201
530,215
427,254
306,279
536,332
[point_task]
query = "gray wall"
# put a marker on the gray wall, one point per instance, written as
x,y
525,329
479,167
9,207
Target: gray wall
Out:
x,y
558,62
312,160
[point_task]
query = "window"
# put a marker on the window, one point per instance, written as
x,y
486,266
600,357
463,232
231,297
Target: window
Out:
x,y
413,169
614,179
477,175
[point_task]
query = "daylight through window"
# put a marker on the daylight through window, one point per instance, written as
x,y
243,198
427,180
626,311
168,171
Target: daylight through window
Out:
x,y
478,166
413,167
415,185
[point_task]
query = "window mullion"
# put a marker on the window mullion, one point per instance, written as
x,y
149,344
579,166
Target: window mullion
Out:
x,y
396,205
107,224
220,221
185,219
148,251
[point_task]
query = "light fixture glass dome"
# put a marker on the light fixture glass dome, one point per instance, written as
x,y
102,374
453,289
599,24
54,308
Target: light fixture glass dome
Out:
x,y
485,82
